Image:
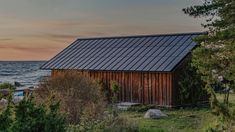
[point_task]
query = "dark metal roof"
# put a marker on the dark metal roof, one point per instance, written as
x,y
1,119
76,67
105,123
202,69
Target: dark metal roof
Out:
x,y
128,53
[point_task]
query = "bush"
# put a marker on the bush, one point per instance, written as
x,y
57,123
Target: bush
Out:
x,y
79,96
6,119
115,88
29,117
7,86
84,102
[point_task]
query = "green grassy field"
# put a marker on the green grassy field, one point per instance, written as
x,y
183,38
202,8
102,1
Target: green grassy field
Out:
x,y
178,120
182,120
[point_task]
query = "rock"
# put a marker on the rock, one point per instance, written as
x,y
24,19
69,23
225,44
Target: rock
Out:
x,y
17,84
154,114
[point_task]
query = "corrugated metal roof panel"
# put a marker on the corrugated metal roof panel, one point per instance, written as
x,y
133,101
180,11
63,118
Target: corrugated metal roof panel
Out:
x,y
144,65
139,63
131,53
158,63
63,54
174,63
67,61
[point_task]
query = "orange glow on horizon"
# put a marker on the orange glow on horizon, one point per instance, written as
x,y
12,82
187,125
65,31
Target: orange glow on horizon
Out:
x,y
38,30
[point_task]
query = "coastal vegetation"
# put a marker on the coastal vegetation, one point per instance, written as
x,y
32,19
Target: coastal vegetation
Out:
x,y
27,116
179,119
84,103
69,102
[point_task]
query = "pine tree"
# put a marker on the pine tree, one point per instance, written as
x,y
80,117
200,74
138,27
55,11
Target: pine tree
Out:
x,y
215,57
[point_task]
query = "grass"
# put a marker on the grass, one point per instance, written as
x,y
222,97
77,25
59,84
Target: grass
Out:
x,y
182,120
178,120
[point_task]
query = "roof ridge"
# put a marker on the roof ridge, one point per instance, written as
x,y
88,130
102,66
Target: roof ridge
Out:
x,y
151,35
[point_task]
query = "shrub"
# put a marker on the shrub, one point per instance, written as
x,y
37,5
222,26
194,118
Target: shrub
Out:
x,y
5,118
29,117
79,95
84,102
10,88
115,88
7,86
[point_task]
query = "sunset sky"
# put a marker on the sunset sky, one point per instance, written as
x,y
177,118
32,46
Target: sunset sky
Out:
x,y
38,29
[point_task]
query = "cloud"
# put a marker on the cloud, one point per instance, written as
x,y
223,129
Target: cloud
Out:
x,y
25,49
53,36
5,39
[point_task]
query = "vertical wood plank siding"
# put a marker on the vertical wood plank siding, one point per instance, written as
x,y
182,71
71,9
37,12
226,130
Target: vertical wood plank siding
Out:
x,y
139,87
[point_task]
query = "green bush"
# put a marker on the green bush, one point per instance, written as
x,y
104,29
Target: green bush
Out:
x,y
26,116
7,86
115,88
6,119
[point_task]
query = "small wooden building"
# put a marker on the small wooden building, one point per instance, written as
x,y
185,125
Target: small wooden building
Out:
x,y
146,67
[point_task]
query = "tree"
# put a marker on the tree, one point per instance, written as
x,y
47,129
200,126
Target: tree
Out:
x,y
191,86
215,57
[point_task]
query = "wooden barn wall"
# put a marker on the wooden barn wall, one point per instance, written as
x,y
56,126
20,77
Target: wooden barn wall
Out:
x,y
139,87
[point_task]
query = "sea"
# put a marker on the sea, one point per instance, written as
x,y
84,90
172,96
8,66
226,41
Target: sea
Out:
x,y
27,73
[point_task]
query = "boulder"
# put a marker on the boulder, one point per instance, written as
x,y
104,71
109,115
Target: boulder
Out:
x,y
154,114
17,84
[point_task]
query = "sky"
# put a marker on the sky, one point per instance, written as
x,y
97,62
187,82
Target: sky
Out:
x,y
39,29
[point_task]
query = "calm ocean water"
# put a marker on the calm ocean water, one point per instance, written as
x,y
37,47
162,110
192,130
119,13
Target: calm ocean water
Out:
x,y
26,73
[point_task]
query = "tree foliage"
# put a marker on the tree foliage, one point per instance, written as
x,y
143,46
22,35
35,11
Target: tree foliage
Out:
x,y
215,58
191,86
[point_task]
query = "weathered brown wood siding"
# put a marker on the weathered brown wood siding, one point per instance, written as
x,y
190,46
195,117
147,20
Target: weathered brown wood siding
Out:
x,y
139,87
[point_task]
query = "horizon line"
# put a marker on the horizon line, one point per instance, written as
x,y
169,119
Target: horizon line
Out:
x,y
21,60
